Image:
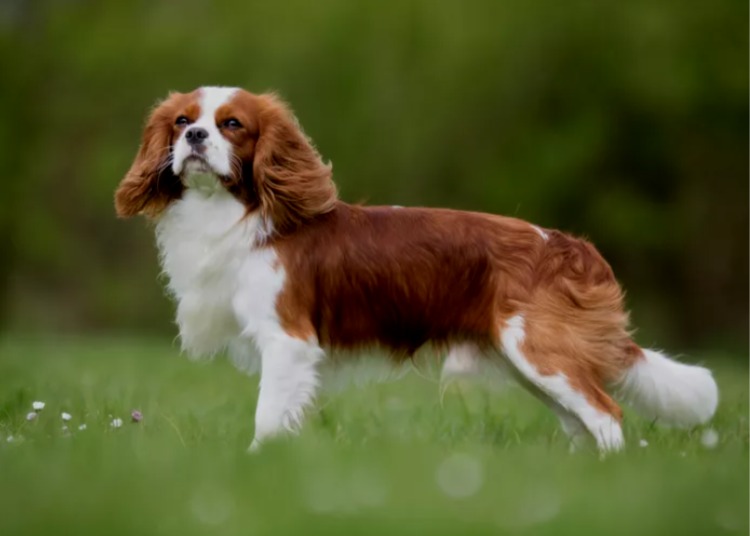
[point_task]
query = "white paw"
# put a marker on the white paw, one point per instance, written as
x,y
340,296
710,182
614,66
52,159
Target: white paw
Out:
x,y
609,437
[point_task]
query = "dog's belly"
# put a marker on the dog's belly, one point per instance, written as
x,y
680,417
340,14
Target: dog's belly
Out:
x,y
402,319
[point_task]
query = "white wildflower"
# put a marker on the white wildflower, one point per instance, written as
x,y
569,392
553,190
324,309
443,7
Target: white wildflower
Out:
x,y
116,423
82,427
643,443
65,416
37,405
31,416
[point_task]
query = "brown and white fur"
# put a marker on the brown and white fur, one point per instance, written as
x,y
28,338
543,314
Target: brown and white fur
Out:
x,y
259,250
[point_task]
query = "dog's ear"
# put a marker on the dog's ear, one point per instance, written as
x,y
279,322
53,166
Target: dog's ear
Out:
x,y
291,181
149,184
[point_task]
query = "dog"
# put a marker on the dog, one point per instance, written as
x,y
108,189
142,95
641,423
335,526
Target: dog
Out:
x,y
259,250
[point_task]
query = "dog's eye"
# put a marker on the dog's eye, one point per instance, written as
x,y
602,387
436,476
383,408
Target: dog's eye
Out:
x,y
231,123
182,121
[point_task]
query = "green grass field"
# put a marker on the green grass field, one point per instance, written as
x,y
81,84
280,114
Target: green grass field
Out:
x,y
374,458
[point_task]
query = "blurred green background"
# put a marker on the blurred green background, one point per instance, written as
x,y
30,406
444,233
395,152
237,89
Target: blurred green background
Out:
x,y
626,122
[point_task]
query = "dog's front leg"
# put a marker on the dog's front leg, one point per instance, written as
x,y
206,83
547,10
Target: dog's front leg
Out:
x,y
288,382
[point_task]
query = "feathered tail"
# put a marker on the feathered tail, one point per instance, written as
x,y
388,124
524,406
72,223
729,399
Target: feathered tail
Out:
x,y
669,392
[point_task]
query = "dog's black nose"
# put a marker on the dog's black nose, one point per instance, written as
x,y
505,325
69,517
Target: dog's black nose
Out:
x,y
196,135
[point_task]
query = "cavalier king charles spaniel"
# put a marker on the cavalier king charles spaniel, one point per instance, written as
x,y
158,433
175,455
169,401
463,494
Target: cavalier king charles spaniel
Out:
x,y
260,251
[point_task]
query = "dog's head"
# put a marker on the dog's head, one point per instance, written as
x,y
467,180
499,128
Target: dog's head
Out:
x,y
218,138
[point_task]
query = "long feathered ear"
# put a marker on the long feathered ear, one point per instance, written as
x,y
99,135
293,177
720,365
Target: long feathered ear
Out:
x,y
149,185
292,183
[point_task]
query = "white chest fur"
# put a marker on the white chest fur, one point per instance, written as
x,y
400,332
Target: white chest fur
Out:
x,y
225,287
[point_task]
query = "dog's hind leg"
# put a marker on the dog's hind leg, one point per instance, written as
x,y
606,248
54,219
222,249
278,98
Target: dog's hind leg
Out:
x,y
583,403
463,360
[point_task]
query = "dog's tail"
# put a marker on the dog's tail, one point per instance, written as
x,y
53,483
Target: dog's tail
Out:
x,y
669,392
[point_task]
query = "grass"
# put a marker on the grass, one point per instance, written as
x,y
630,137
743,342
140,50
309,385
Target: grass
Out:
x,y
378,458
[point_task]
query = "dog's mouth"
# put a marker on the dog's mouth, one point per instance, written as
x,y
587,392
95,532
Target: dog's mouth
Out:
x,y
197,173
195,163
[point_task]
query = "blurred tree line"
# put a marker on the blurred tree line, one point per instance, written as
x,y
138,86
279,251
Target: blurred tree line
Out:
x,y
626,122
